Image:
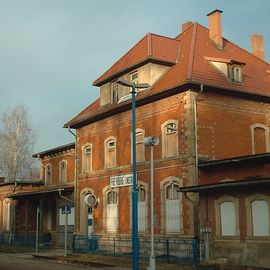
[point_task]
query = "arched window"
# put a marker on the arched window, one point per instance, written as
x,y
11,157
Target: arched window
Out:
x,y
141,209
48,174
87,158
228,218
140,148
170,139
110,153
173,210
112,210
259,138
63,171
260,218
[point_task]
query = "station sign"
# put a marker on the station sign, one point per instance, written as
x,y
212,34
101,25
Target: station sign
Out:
x,y
121,180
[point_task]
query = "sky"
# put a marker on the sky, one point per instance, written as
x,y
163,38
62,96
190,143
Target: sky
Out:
x,y
51,51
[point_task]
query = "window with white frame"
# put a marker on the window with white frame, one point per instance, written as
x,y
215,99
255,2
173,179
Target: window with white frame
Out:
x,y
260,218
141,209
235,74
48,174
110,153
114,92
112,210
172,208
87,158
134,77
140,146
63,171
228,218
170,139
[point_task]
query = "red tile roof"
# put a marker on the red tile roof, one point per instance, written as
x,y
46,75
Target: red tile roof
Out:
x,y
190,64
150,47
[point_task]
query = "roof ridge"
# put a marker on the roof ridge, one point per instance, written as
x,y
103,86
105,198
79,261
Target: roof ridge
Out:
x,y
145,36
264,61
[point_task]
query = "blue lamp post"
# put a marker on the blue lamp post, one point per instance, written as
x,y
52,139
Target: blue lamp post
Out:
x,y
135,247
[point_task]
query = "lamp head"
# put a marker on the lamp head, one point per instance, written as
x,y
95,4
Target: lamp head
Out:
x,y
152,140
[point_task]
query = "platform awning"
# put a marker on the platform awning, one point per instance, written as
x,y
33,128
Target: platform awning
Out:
x,y
226,184
40,193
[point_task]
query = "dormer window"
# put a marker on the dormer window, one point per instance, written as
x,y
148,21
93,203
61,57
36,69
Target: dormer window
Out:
x,y
134,77
114,92
235,73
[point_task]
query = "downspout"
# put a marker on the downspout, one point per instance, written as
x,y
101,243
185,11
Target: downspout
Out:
x,y
197,212
75,181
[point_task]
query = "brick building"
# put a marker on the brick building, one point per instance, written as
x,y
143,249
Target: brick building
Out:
x,y
22,201
208,102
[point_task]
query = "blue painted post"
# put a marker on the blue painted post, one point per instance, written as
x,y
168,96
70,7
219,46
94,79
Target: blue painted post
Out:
x,y
167,249
134,191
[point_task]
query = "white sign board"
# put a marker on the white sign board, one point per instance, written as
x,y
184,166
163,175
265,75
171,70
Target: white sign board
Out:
x,y
121,180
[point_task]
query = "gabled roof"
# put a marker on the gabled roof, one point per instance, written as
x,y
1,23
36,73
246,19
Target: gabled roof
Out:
x,y
152,48
55,150
189,55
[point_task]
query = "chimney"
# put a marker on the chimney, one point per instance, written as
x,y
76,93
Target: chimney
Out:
x,y
257,45
186,25
215,27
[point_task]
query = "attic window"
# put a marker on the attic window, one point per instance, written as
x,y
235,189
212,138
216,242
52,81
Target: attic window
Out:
x,y
114,92
134,77
235,74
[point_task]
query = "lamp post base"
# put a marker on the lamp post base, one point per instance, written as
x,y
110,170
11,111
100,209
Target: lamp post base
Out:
x,y
152,263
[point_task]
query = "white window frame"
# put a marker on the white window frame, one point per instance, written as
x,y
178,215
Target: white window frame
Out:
x,y
62,178
107,149
163,218
48,179
114,92
134,73
218,202
248,201
87,158
165,133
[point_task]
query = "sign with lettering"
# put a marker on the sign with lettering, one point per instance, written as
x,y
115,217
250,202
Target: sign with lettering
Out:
x,y
121,180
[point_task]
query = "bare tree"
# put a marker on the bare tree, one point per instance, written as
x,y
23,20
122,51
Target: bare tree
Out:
x,y
16,145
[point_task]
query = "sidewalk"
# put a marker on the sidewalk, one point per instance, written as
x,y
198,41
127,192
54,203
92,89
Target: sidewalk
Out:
x,y
96,260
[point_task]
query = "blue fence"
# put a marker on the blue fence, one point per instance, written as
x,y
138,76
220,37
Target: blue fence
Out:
x,y
24,239
178,249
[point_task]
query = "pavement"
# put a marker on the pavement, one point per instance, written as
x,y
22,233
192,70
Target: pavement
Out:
x,y
104,261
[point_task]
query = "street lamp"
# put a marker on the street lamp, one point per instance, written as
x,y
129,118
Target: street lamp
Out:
x,y
152,141
135,246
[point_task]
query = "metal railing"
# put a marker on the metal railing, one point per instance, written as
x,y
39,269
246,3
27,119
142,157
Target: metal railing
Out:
x,y
24,239
170,249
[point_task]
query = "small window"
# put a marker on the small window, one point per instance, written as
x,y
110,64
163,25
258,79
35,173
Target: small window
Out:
x,y
235,74
170,139
48,174
87,150
110,153
114,92
112,197
134,77
171,128
141,194
63,172
87,158
172,192
139,147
